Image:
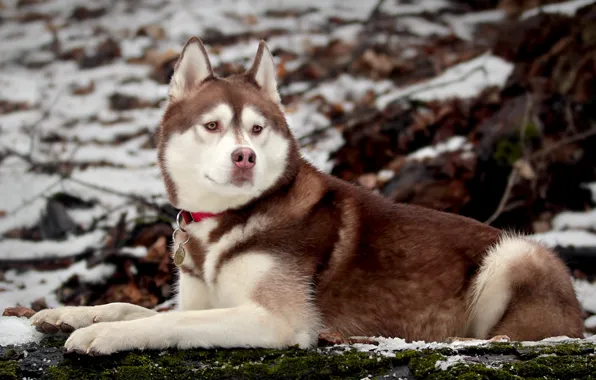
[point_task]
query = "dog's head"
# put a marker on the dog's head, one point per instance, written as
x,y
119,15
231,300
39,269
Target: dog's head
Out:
x,y
223,141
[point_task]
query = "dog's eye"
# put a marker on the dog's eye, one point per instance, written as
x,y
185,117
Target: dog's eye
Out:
x,y
212,125
256,129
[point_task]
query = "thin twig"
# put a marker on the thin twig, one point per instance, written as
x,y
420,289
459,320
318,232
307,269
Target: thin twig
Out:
x,y
440,85
525,122
569,140
538,154
133,197
505,197
44,114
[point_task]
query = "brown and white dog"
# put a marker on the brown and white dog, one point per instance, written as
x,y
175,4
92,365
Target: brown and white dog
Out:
x,y
278,252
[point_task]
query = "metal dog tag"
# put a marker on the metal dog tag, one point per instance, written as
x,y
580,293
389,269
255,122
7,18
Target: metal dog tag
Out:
x,y
179,255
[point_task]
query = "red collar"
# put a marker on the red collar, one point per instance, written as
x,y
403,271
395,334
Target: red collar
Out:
x,y
196,217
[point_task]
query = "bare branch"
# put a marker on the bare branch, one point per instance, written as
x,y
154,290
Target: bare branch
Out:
x,y
513,176
505,197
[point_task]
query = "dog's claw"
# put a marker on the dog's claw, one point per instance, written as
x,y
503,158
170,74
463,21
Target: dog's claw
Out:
x,y
48,328
66,328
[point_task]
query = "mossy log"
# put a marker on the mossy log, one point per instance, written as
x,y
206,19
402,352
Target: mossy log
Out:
x,y
547,360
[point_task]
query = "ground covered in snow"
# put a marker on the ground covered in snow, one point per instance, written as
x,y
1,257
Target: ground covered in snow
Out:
x,y
440,103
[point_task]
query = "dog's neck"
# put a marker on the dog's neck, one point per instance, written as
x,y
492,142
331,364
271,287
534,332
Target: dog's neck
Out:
x,y
196,217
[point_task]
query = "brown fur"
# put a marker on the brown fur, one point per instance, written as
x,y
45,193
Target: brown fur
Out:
x,y
543,303
373,267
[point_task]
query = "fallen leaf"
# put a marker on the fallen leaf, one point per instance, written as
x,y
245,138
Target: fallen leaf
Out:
x,y
18,311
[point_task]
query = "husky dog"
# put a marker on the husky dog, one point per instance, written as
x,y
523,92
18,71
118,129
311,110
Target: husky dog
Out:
x,y
272,251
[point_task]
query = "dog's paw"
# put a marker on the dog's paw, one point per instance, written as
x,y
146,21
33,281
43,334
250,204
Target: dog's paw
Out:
x,y
64,319
102,339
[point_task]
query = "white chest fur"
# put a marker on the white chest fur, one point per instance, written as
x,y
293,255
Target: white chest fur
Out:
x,y
230,284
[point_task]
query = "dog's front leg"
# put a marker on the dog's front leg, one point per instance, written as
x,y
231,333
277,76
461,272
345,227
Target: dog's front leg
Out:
x,y
249,325
70,318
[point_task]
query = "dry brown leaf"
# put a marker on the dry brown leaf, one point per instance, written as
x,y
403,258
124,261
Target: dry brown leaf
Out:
x,y
18,311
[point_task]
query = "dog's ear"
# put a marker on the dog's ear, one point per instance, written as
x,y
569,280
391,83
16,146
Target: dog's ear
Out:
x,y
263,72
192,68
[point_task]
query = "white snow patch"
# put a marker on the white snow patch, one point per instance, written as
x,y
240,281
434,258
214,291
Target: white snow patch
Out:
x,y
134,48
567,8
586,293
16,249
388,346
401,7
319,153
18,87
453,144
22,288
139,251
570,219
385,175
444,365
17,331
422,27
590,322
592,188
349,88
575,238
464,80
464,25
347,32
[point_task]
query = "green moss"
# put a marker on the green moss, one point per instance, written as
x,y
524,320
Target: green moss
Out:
x,y
472,372
293,363
9,370
10,353
135,359
559,361
53,341
65,373
569,349
507,152
556,367
403,357
497,348
424,366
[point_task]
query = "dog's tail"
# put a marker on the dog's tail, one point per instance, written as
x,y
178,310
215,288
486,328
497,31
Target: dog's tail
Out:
x,y
523,290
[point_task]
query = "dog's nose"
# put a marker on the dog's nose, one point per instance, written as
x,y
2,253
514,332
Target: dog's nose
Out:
x,y
244,158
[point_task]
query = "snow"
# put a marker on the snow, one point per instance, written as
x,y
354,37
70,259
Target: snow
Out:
x,y
444,365
348,88
389,346
17,331
586,293
422,27
590,322
575,238
452,144
586,220
22,288
464,80
385,175
403,7
463,25
15,87
133,48
16,249
566,8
